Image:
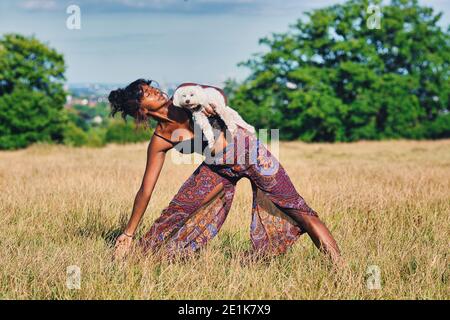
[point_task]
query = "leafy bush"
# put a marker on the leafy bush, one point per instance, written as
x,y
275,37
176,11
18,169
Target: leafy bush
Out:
x,y
124,132
75,136
79,132
96,137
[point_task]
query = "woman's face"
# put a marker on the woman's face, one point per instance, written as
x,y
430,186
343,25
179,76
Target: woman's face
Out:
x,y
153,99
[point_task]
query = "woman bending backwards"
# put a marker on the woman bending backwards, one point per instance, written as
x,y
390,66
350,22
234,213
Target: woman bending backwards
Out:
x,y
198,210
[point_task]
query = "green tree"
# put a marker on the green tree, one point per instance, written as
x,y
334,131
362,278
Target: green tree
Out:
x,y
332,78
31,92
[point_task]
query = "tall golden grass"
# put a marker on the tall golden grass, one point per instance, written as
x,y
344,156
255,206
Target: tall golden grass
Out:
x,y
386,203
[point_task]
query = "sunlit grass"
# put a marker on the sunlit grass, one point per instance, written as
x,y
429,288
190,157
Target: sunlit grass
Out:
x,y
387,204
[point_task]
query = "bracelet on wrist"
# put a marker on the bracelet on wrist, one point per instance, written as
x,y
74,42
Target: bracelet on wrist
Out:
x,y
130,236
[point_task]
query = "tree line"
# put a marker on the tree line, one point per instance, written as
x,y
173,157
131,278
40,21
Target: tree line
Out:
x,y
332,78
328,78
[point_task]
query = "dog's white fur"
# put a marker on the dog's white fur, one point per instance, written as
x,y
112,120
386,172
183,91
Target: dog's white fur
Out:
x,y
196,97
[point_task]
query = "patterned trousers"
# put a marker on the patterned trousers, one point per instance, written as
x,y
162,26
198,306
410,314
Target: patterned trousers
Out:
x,y
188,223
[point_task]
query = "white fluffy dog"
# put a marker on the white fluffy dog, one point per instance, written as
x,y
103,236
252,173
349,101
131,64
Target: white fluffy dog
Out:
x,y
196,98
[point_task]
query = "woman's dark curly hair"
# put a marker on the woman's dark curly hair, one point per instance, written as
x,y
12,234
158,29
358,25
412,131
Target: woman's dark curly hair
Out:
x,y
127,100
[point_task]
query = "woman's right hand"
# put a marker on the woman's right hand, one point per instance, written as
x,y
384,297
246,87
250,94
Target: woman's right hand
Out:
x,y
122,246
209,110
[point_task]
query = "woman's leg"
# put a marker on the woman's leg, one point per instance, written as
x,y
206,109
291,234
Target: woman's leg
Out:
x,y
318,233
193,216
279,189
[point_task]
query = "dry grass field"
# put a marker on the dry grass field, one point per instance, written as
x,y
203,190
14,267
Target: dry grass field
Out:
x,y
387,204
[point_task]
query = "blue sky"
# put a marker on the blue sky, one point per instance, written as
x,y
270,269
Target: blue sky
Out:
x,y
167,40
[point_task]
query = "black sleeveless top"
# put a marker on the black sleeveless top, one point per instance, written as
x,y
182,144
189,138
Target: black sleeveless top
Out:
x,y
198,143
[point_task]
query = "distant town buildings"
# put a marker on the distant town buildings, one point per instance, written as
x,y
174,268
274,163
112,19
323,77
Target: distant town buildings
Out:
x,y
91,94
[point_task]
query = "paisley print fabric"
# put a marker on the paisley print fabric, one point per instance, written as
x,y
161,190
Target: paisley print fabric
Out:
x,y
186,225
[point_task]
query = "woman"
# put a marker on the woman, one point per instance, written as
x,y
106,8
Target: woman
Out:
x,y
198,210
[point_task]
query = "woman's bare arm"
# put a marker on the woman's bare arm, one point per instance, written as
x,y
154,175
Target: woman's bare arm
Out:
x,y
156,154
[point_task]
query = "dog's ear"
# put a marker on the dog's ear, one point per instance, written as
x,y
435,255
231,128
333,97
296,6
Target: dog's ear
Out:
x,y
177,98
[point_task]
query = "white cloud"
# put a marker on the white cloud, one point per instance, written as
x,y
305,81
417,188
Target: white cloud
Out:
x,y
38,4
175,6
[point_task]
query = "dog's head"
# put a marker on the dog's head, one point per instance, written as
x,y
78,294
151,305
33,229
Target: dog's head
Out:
x,y
190,97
